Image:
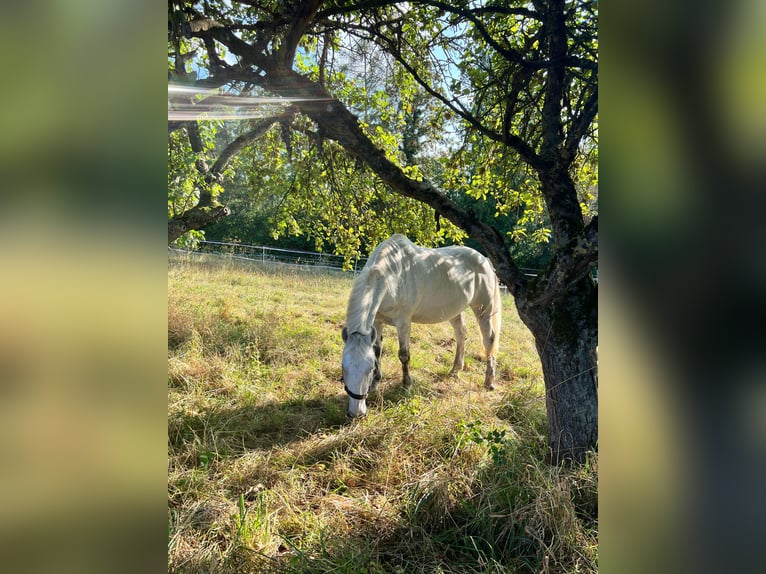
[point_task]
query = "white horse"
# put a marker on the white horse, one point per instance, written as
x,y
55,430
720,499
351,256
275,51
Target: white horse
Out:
x,y
403,283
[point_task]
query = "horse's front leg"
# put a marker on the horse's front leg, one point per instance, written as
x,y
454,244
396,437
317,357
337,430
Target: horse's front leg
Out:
x,y
403,330
377,374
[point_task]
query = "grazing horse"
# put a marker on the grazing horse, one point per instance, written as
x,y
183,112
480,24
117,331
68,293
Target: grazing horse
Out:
x,y
403,283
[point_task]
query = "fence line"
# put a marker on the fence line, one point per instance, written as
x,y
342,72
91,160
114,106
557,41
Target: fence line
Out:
x,y
293,257
276,255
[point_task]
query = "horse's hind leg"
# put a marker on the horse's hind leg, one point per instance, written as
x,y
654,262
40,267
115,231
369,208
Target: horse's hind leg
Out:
x,y
489,375
489,336
461,331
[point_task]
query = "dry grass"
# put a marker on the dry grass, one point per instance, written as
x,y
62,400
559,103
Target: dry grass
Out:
x,y
265,475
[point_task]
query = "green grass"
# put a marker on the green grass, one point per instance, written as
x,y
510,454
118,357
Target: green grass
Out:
x,y
266,475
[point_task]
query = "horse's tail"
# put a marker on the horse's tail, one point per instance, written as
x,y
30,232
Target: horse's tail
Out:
x,y
497,312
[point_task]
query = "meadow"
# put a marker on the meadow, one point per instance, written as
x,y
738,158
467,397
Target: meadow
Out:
x,y
265,474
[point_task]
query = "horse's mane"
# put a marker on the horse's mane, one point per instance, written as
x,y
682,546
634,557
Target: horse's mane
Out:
x,y
380,276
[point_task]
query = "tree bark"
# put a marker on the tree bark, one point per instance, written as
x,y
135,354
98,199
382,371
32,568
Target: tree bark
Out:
x,y
566,336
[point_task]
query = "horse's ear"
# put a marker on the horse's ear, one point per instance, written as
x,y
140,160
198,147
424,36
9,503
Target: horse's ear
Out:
x,y
344,334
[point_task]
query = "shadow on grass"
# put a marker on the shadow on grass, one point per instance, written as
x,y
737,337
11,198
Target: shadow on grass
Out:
x,y
233,429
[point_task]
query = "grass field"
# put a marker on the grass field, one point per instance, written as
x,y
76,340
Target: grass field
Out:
x,y
266,475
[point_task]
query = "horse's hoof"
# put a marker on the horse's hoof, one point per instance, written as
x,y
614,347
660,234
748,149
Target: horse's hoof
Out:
x,y
490,387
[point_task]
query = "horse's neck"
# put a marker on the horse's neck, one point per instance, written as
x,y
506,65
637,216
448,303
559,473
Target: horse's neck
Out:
x,y
366,303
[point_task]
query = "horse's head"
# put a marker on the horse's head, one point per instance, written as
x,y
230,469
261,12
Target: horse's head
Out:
x,y
358,366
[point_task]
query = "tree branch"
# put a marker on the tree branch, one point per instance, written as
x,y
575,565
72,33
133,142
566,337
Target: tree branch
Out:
x,y
552,131
580,125
303,16
259,129
195,141
194,218
212,53
176,125
248,54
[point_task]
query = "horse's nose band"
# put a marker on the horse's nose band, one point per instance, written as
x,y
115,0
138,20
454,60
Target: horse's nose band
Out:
x,y
353,395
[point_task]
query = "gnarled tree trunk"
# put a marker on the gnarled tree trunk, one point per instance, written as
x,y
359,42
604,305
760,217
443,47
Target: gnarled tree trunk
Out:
x,y
566,335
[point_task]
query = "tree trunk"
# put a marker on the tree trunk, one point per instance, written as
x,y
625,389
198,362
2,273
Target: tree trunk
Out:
x,y
566,336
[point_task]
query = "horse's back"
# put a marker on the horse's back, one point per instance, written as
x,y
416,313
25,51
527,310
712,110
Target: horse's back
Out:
x,y
470,266
427,285
449,279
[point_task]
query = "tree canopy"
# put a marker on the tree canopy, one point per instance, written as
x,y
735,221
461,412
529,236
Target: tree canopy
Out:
x,y
452,116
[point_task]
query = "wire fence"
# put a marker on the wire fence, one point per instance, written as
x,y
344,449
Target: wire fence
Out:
x,y
277,255
292,257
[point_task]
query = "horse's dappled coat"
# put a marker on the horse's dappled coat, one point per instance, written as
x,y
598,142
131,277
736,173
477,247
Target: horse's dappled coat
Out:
x,y
403,283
